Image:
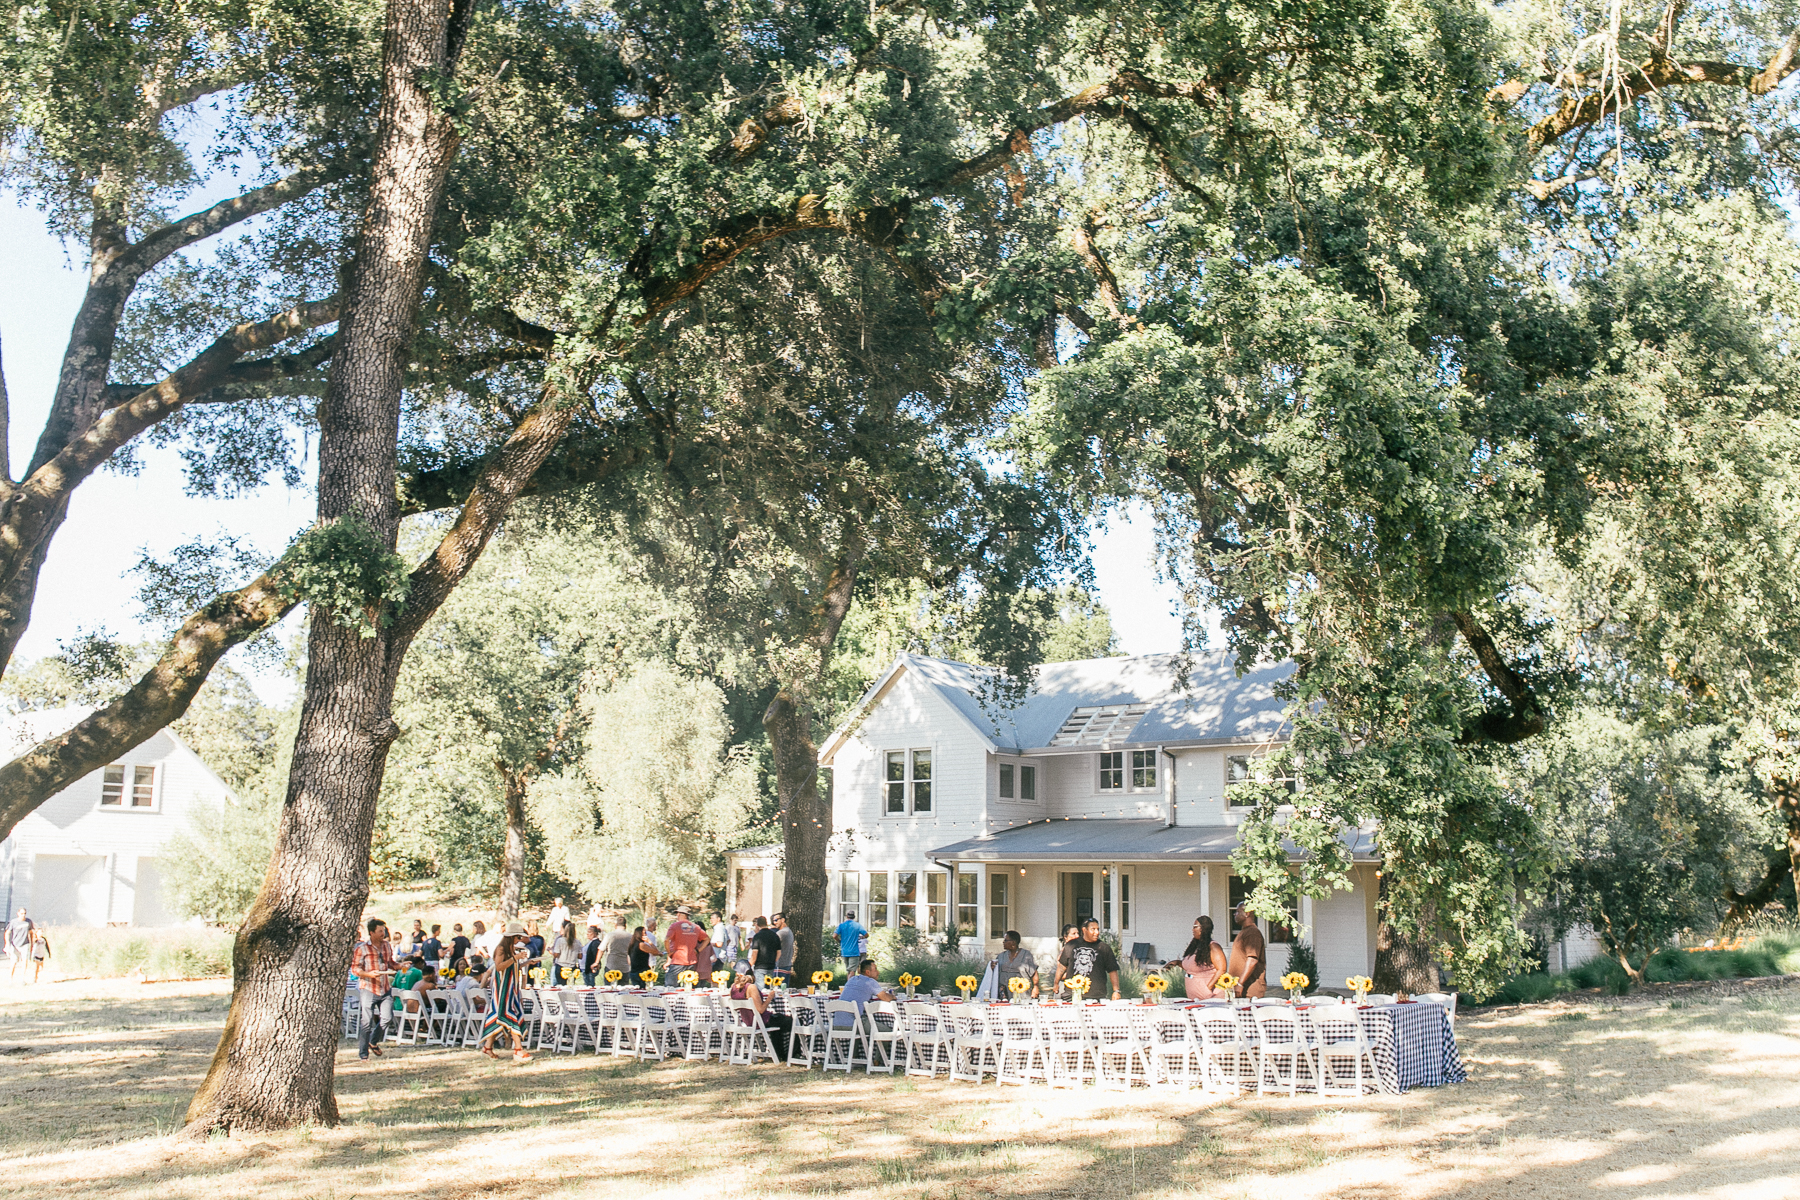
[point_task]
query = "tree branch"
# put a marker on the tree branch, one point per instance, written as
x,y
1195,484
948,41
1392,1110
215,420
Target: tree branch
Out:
x,y
1525,717
153,247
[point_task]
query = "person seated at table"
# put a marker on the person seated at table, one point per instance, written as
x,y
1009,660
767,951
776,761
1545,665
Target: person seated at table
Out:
x,y
411,974
779,1025
1014,962
861,988
1202,962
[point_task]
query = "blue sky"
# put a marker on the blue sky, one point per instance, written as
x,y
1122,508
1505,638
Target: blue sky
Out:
x,y
86,585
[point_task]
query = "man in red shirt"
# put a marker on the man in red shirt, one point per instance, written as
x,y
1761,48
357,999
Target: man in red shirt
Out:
x,y
683,944
373,964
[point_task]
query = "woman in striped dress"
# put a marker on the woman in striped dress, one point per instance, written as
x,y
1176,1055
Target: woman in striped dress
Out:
x,y
508,1013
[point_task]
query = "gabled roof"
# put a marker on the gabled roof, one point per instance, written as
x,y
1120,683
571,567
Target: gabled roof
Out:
x,y
1113,840
21,731
1101,702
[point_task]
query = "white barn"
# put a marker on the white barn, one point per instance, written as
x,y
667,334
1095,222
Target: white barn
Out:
x,y
90,854
1106,793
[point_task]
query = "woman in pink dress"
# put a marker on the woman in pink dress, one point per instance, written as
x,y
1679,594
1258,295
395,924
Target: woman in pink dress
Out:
x,y
1202,962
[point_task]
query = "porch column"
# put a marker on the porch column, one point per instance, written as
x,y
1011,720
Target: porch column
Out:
x,y
768,889
1206,892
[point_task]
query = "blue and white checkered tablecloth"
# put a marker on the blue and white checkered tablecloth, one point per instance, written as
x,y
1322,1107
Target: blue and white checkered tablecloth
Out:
x,y
1413,1044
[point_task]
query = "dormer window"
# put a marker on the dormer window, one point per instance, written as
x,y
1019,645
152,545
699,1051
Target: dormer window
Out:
x,y
128,787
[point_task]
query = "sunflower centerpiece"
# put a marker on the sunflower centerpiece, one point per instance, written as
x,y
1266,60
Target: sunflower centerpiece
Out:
x,y
1362,985
1295,983
1079,984
568,974
909,982
648,976
537,976
1226,983
1018,986
966,984
721,978
614,975
1155,985
820,979
687,980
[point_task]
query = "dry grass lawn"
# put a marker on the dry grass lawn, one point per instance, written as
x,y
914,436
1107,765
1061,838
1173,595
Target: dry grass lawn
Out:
x,y
1644,1099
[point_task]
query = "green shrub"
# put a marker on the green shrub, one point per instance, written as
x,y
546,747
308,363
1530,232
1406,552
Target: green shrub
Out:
x,y
888,945
156,953
1302,959
1771,948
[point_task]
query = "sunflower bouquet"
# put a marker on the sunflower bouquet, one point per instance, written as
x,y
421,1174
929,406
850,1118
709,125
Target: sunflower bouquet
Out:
x,y
649,975
721,978
820,979
1155,985
966,984
909,982
1079,984
1294,983
614,975
1362,985
537,976
688,979
1018,985
568,974
1226,983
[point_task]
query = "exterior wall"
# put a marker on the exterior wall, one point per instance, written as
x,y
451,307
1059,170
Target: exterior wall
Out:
x,y
1342,937
73,863
1070,784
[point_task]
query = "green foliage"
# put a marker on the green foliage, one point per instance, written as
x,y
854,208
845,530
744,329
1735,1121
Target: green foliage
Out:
x,y
647,812
1772,954
346,572
153,953
1302,959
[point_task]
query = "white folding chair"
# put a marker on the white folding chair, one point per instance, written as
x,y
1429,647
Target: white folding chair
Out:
x,y
929,1044
1121,1057
746,1037
886,1033
447,1020
410,1018
1227,1057
654,1028
844,1044
1344,1052
578,1023
1022,1053
806,1037
976,1050
1287,1052
1174,1050
1445,1000
1068,1051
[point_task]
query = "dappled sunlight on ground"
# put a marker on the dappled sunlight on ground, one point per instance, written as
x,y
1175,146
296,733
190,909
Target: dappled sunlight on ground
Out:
x,y
1637,1100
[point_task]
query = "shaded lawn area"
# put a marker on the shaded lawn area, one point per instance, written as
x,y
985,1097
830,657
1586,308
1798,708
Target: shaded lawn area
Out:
x,y
1696,1098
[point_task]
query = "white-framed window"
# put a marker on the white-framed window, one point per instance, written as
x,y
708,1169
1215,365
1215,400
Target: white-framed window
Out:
x,y
937,901
908,782
1122,892
1112,771
850,896
1018,781
1276,933
906,896
126,787
878,900
1143,770
1128,770
968,902
999,908
1251,768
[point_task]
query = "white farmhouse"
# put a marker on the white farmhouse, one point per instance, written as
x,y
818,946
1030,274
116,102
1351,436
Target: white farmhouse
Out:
x,y
89,855
1106,793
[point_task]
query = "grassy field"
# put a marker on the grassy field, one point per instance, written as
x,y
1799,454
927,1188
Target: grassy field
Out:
x,y
1648,1098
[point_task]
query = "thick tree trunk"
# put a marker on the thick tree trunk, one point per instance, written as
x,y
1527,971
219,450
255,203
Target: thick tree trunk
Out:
x,y
805,814
275,1062
1403,964
512,863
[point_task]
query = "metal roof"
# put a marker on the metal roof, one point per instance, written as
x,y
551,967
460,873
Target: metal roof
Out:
x,y
1117,840
1107,702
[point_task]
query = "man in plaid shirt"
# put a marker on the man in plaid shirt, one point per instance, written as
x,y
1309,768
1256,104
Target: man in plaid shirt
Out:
x,y
373,964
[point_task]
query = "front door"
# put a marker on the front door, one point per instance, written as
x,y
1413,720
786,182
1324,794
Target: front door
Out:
x,y
1075,898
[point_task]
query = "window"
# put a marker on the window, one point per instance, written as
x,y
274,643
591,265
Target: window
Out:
x,y
1276,933
1143,768
1112,771
142,791
1028,783
1006,781
1246,768
1018,782
967,886
937,901
908,791
908,896
849,895
1124,901
878,900
999,911
1123,892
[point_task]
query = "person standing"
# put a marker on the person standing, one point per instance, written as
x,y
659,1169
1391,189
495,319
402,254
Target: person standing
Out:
x,y
683,942
566,950
642,951
850,937
432,951
373,964
590,956
1202,962
559,914
481,940
459,944
508,1013
1090,957
19,933
1248,955
1014,962
615,953
650,938
724,939
784,962
415,941
765,950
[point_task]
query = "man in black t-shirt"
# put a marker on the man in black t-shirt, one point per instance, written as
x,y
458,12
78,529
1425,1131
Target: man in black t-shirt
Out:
x,y
459,944
765,949
433,949
1090,957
